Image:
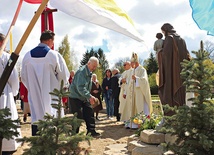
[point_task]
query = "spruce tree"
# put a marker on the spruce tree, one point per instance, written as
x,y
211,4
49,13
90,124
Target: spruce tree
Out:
x,y
8,127
86,56
103,63
194,126
56,135
152,66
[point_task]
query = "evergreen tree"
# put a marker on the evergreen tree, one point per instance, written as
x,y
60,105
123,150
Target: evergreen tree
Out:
x,y
194,126
86,56
103,63
8,127
56,136
64,50
152,65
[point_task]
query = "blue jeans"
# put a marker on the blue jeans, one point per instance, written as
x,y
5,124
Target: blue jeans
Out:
x,y
109,103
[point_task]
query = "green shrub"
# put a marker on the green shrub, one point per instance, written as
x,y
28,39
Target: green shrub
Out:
x,y
194,126
153,85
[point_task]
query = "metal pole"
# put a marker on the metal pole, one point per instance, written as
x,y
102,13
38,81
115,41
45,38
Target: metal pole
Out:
x,y
14,56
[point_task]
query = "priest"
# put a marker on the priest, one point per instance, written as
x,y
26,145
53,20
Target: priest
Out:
x,y
43,69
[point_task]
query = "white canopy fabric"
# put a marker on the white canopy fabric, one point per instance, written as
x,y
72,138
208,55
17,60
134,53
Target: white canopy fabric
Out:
x,y
104,13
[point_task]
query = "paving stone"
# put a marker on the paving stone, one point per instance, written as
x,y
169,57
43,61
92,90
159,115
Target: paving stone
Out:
x,y
116,149
136,143
150,150
131,138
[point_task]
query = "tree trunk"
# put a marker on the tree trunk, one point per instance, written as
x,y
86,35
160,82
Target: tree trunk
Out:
x,y
1,139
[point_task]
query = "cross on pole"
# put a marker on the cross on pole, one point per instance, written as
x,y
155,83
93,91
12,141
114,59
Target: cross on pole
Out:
x,y
47,21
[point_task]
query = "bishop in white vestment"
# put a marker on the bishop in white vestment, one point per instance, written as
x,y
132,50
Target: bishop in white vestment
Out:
x,y
138,92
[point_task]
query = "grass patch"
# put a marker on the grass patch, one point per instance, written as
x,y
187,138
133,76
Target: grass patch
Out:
x,y
155,97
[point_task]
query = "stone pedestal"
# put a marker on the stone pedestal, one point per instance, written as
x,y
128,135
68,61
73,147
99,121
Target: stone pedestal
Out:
x,y
152,137
146,144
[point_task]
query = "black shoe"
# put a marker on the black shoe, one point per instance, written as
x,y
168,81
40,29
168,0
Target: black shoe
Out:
x,y
93,133
118,117
29,114
7,152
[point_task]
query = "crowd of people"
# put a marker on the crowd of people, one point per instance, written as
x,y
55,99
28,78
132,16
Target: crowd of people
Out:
x,y
125,94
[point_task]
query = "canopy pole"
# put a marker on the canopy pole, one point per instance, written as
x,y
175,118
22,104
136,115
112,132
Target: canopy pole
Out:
x,y
14,56
11,27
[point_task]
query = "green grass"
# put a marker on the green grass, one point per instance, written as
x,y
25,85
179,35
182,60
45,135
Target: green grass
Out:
x,y
155,97
156,106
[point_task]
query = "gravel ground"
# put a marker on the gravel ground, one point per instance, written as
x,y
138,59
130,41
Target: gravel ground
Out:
x,y
112,132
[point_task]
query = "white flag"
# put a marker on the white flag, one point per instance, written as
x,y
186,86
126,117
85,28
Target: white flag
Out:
x,y
104,13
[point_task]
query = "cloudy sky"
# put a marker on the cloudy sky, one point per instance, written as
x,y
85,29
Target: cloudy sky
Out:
x,y
148,17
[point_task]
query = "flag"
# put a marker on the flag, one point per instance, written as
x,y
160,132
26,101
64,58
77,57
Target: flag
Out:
x,y
203,14
33,1
104,13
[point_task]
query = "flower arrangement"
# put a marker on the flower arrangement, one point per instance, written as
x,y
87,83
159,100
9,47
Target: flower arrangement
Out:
x,y
146,121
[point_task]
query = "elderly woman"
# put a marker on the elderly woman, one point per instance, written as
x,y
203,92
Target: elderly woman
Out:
x,y
96,91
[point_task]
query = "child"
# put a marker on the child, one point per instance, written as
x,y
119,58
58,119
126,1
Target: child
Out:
x,y
158,45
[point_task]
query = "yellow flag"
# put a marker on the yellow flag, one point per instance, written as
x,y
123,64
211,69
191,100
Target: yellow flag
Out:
x,y
110,5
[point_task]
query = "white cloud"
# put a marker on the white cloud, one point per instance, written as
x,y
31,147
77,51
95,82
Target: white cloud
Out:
x,y
148,17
